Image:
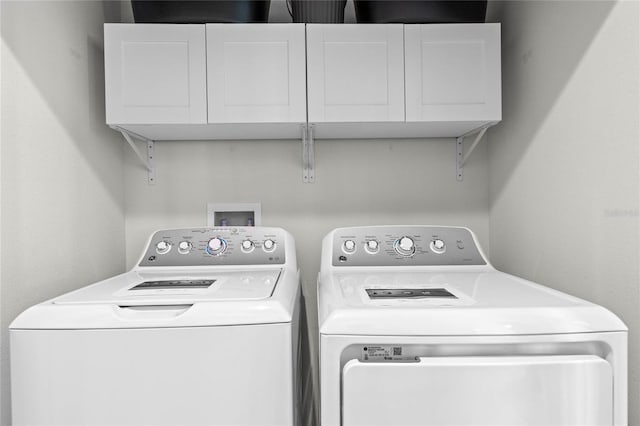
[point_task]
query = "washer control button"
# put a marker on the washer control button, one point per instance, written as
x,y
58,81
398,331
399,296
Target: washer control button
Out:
x,y
216,246
269,245
372,246
163,247
349,246
404,246
185,247
247,246
438,246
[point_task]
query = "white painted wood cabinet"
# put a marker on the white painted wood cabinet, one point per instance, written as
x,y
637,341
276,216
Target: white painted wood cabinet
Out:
x,y
355,73
253,81
155,74
452,72
256,73
393,80
181,82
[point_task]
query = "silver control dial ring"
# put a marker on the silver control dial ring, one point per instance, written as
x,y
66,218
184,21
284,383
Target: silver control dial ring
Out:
x,y
404,246
216,246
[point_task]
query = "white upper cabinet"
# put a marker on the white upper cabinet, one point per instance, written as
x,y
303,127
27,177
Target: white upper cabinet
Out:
x,y
155,73
453,73
256,73
355,73
253,81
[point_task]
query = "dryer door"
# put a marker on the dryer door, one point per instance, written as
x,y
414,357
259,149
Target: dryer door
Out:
x,y
497,390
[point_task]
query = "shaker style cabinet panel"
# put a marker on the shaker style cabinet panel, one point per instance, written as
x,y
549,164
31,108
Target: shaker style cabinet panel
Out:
x,y
355,73
256,73
453,72
155,74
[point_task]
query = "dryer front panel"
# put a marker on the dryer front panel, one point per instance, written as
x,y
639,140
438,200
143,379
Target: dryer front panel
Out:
x,y
479,390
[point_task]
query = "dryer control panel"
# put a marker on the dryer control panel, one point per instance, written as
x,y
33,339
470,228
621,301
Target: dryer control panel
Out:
x,y
405,246
215,246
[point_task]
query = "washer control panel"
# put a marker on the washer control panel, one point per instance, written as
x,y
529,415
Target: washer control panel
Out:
x,y
215,246
405,245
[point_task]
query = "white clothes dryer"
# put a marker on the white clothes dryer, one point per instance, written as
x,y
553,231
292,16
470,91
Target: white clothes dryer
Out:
x,y
417,328
203,331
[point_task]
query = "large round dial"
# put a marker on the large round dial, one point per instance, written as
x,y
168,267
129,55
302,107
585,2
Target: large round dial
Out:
x,y
404,246
216,246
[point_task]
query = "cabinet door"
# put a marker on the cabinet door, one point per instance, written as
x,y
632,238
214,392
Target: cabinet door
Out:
x,y
355,73
256,73
155,73
453,72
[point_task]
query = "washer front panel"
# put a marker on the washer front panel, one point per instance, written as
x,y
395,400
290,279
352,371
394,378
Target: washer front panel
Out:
x,y
405,246
216,246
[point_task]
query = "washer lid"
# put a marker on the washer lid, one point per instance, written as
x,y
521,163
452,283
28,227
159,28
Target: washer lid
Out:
x,y
170,300
141,288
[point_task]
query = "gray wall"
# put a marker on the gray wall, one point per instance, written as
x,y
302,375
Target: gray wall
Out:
x,y
564,172
62,170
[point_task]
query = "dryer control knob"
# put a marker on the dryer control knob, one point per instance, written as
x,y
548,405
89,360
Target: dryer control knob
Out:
x,y
184,247
404,246
438,246
163,247
372,246
216,246
269,245
349,246
247,246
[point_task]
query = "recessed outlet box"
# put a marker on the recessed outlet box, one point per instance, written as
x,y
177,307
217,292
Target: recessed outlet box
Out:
x,y
234,214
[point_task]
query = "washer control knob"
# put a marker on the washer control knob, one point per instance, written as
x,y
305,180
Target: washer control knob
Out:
x,y
438,246
349,246
184,247
404,246
216,246
163,247
269,245
372,246
247,246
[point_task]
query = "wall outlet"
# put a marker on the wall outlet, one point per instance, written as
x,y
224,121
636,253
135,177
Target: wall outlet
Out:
x,y
234,214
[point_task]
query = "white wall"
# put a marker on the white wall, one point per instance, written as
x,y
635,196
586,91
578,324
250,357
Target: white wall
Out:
x,y
564,163
62,168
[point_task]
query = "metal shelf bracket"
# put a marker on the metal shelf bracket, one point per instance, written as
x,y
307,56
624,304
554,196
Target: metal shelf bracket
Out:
x,y
308,154
149,161
461,157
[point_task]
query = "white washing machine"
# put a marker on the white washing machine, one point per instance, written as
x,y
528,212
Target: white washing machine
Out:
x,y
417,328
203,331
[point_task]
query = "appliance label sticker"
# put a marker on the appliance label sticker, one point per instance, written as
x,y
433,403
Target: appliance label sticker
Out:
x,y
383,353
